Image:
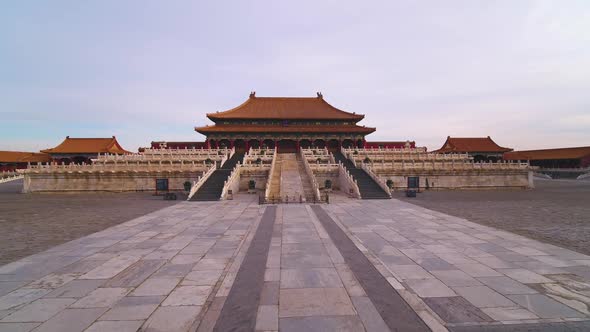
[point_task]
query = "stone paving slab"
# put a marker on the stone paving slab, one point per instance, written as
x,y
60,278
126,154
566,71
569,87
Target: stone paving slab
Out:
x,y
394,310
33,223
242,306
174,270
156,272
497,277
556,211
456,309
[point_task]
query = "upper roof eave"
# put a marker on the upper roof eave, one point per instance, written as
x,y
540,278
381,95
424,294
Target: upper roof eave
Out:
x,y
300,108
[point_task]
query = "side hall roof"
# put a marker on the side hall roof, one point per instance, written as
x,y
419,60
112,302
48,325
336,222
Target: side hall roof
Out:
x,y
23,157
550,154
87,145
471,144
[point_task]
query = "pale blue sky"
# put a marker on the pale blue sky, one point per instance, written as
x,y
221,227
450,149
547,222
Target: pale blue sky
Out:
x,y
518,71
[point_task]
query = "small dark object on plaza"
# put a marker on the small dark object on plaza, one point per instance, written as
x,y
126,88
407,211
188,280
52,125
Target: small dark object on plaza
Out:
x,y
251,184
427,184
413,182
187,186
410,193
389,183
328,184
170,197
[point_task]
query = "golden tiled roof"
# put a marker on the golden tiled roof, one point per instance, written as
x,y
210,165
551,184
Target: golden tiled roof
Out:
x,y
471,144
548,154
23,157
88,145
285,108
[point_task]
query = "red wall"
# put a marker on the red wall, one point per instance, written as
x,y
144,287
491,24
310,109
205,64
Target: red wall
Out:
x,y
199,145
12,167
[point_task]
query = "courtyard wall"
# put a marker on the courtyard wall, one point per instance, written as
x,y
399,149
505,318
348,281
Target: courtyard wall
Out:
x,y
106,181
461,179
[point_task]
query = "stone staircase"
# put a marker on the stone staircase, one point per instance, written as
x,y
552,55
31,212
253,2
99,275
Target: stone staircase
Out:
x,y
211,189
367,186
305,180
275,186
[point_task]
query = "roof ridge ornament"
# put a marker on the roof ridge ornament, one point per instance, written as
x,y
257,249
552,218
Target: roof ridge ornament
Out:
x,y
253,94
320,95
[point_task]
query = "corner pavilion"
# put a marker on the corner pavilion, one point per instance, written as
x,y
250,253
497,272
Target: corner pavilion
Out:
x,y
289,123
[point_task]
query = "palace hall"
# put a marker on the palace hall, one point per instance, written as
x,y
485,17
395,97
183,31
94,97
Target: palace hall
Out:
x,y
289,123
278,147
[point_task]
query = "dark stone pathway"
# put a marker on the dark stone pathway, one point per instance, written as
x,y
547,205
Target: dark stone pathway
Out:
x,y
396,313
240,308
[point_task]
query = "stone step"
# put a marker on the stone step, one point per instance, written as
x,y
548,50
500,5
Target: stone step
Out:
x,y
305,180
368,188
275,187
212,188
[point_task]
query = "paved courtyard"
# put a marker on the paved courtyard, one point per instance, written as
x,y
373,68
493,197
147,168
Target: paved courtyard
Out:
x,y
556,211
31,223
382,265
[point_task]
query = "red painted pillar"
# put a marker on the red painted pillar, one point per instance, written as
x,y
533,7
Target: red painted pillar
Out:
x,y
297,146
260,143
247,146
208,144
231,144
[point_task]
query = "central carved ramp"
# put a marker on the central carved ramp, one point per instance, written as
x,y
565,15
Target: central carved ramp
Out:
x,y
291,182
